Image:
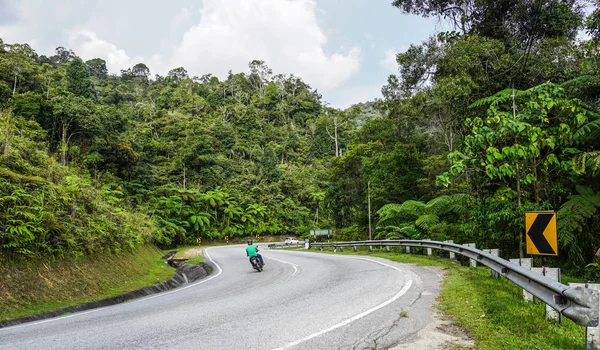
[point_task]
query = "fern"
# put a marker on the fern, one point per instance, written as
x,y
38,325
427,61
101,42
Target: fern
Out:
x,y
439,203
586,85
410,232
389,212
427,220
589,132
587,160
499,97
573,217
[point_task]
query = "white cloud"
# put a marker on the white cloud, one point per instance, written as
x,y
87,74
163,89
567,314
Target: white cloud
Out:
x,y
39,22
223,35
346,96
389,60
87,45
283,33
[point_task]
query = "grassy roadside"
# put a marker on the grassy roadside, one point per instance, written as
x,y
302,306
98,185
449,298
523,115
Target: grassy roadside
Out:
x,y
43,286
491,310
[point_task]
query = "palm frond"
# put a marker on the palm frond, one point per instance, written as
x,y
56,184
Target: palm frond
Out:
x,y
439,202
499,97
572,219
588,132
410,232
395,213
587,160
427,220
412,206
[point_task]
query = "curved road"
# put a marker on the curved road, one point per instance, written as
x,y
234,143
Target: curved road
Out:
x,y
301,300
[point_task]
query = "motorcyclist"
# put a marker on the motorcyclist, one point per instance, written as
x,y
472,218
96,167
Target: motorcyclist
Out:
x,y
252,250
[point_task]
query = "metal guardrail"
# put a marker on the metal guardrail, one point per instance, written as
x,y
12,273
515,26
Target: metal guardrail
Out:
x,y
578,304
283,245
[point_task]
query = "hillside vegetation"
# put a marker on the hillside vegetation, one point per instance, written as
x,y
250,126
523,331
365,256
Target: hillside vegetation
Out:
x,y
482,123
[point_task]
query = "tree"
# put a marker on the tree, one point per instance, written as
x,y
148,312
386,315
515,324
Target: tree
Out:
x,y
63,55
18,69
527,20
140,70
97,68
337,122
177,75
78,79
260,75
72,115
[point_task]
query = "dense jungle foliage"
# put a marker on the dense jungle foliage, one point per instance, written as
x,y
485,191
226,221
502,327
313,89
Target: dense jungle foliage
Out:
x,y
494,118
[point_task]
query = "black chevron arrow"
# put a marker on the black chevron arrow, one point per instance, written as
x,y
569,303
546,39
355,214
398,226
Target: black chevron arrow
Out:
x,y
536,234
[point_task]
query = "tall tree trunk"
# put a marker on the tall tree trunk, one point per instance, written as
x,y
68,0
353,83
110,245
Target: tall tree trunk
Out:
x,y
335,132
48,90
63,159
15,86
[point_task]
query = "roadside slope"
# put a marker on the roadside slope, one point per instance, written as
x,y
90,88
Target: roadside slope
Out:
x,y
45,286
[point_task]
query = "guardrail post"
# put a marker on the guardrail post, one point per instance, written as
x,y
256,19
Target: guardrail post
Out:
x,y
334,249
592,334
473,261
370,249
341,249
554,273
494,252
452,255
387,248
407,250
429,250
525,263
354,248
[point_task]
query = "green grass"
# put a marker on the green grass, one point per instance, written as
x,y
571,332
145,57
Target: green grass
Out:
x,y
490,310
158,272
48,286
197,260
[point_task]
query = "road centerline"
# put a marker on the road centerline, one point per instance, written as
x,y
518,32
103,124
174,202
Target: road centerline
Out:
x,y
286,262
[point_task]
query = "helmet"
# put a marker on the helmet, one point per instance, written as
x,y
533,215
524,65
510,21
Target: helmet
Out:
x,y
249,242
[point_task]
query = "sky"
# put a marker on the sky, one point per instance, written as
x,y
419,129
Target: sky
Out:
x,y
343,48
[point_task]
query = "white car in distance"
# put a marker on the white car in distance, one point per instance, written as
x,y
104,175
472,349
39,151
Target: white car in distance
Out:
x,y
291,240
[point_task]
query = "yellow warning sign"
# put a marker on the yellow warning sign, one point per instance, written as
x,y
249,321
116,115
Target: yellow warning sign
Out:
x,y
540,229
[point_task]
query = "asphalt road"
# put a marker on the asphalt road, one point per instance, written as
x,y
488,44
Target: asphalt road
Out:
x,y
301,300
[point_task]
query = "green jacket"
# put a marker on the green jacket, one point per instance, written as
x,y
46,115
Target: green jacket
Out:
x,y
252,250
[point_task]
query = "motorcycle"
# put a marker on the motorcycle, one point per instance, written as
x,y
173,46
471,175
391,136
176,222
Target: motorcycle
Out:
x,y
256,263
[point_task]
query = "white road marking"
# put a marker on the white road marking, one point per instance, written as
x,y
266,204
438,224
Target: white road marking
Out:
x,y
59,318
289,263
404,289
